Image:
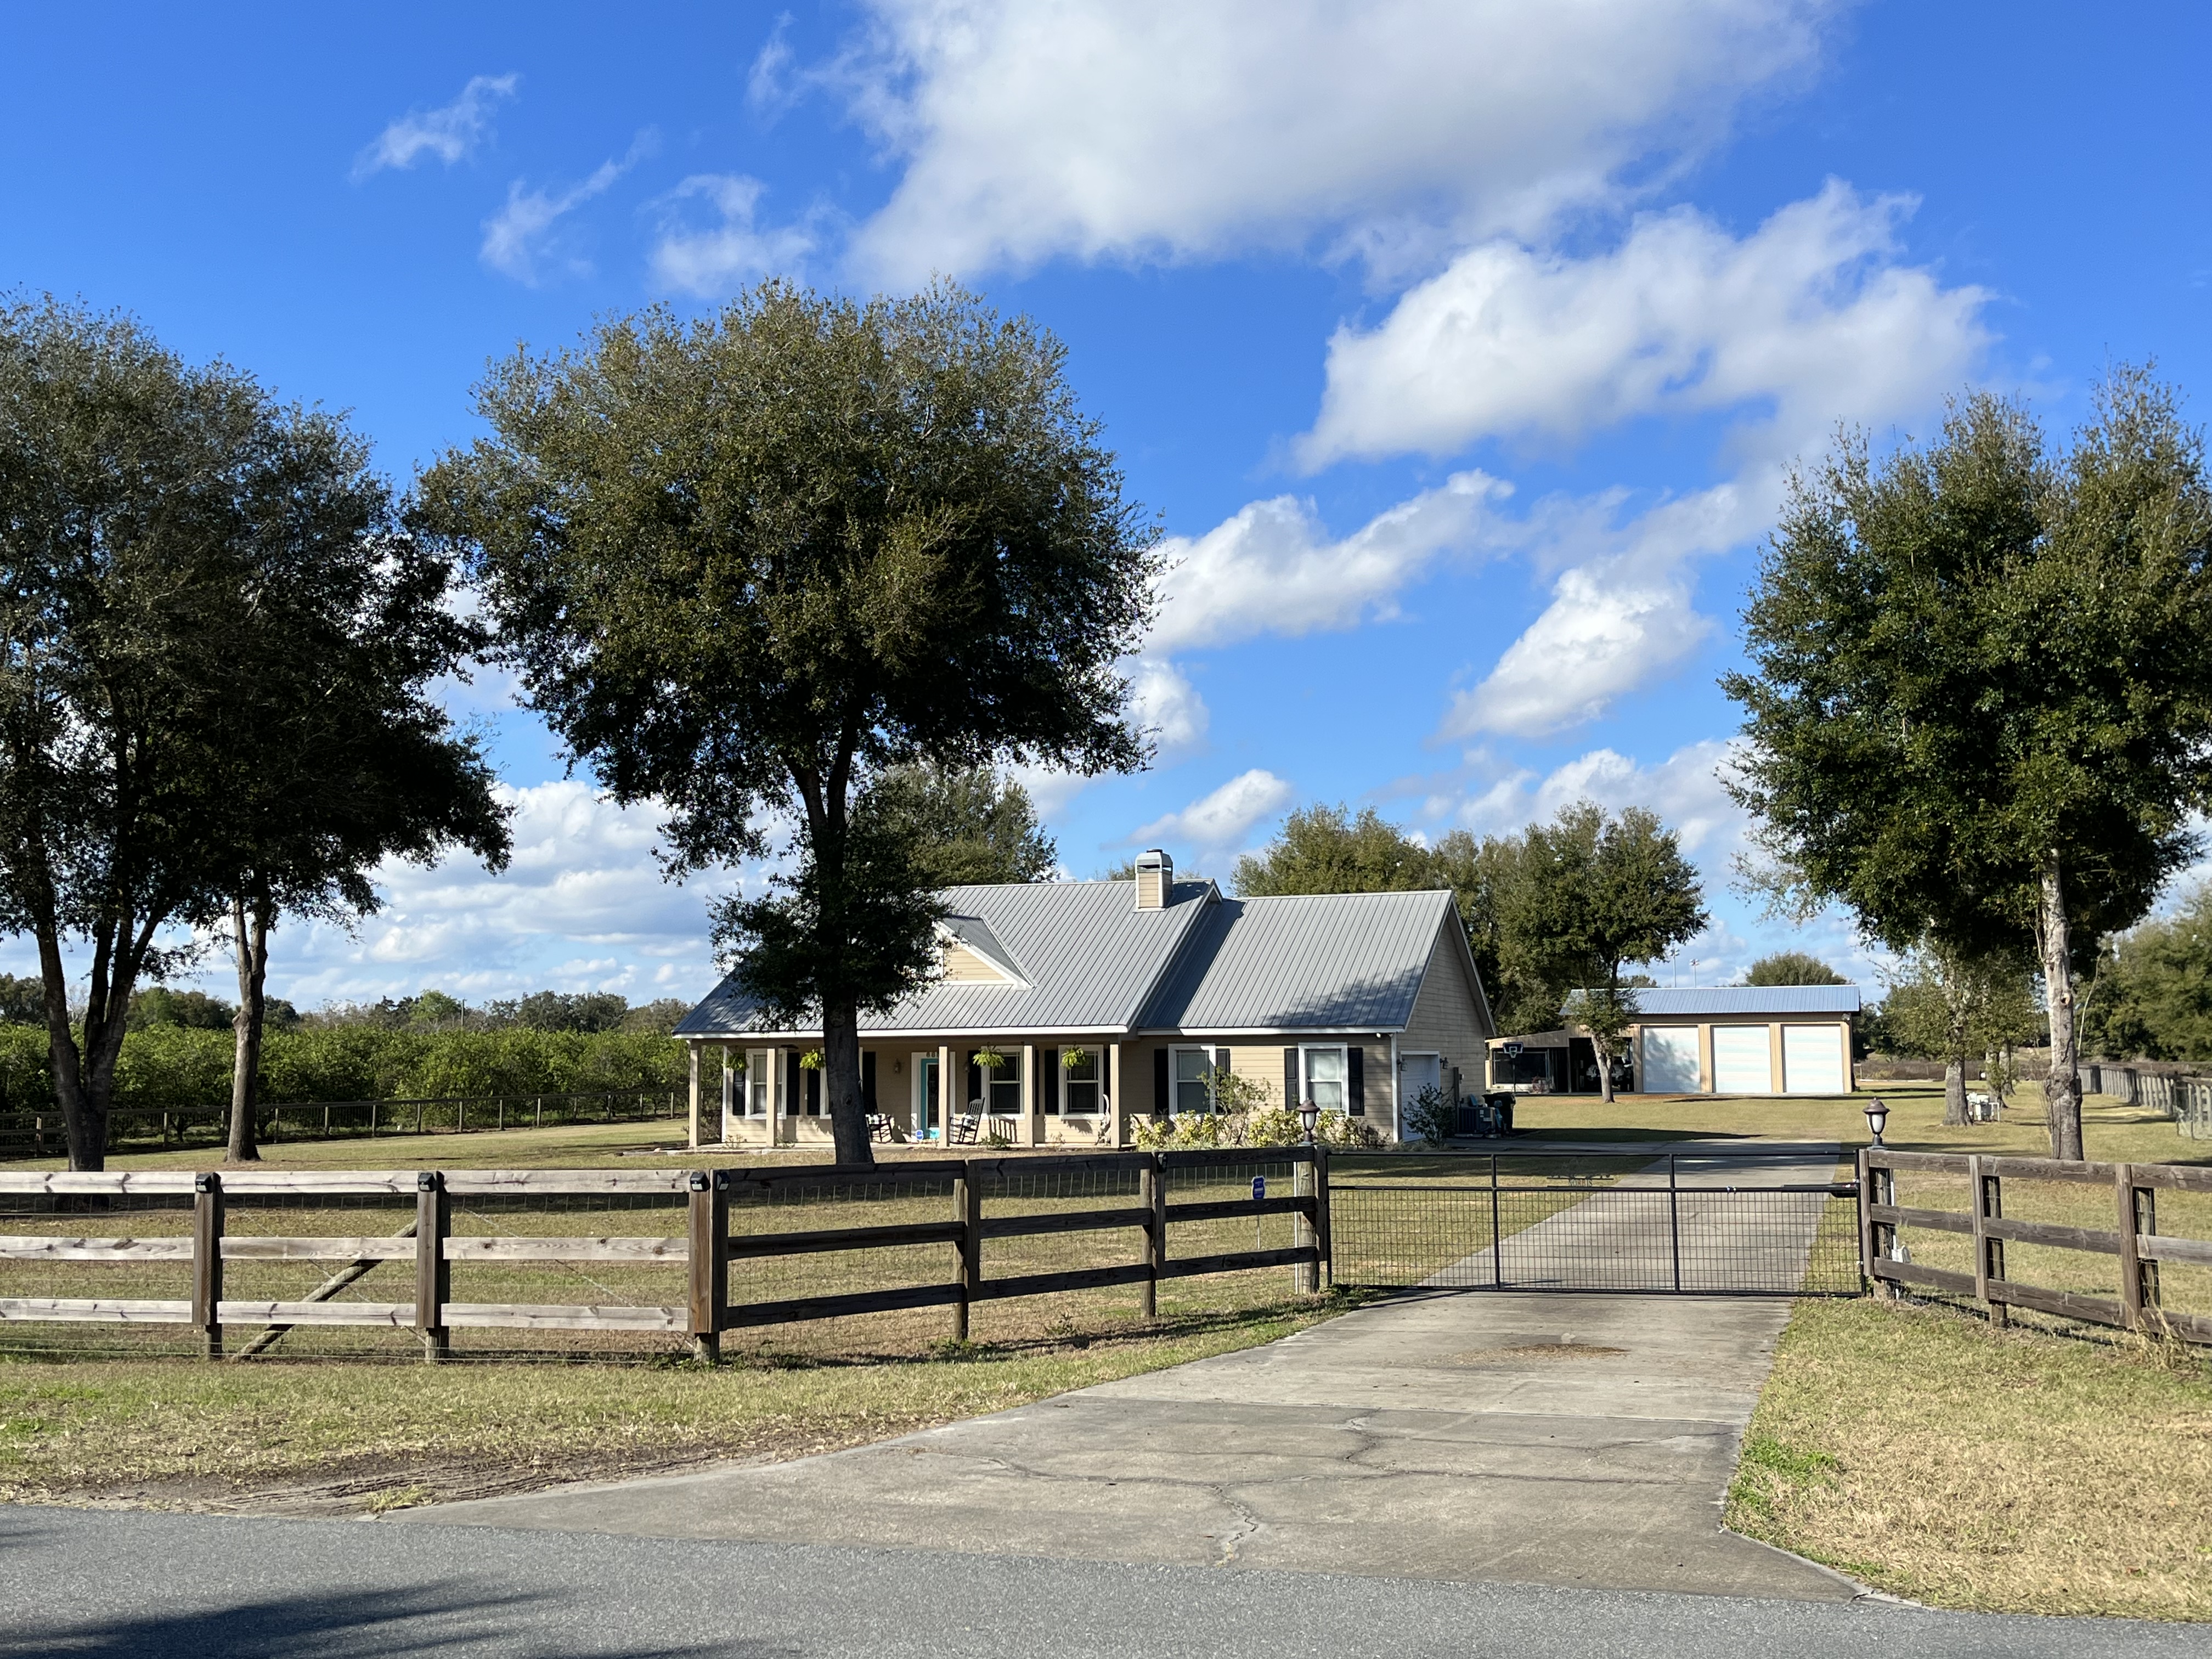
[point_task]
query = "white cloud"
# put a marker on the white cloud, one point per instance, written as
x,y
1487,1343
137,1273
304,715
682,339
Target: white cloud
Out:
x,y
517,242
581,905
723,257
1272,568
1805,322
1134,128
1621,616
1163,699
449,133
1219,822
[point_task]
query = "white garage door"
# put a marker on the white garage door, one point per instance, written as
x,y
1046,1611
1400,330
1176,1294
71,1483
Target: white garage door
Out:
x,y
1670,1059
1813,1060
1742,1060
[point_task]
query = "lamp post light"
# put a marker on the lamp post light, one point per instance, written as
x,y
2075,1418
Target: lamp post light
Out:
x,y
1308,1115
1877,1116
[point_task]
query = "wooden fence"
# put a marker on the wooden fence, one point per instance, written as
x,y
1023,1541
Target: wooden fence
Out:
x,y
2133,1239
40,1133
706,1249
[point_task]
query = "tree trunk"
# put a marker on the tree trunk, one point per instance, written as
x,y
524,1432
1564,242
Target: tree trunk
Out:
x,y
841,1082
1604,1069
1954,1091
252,943
2062,1089
84,1113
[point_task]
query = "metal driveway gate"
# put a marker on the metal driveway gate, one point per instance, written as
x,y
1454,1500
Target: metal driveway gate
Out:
x,y
1710,1221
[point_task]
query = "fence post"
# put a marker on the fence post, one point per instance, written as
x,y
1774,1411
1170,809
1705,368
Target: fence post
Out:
x,y
433,1273
1305,1276
967,1260
1987,1252
709,1262
1879,1288
1325,1269
2138,1214
1496,1239
1152,1194
207,1262
1674,1219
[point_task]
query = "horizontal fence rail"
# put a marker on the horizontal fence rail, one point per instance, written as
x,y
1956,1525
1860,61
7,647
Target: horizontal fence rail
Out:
x,y
2135,1244
1727,1222
40,1133
189,1221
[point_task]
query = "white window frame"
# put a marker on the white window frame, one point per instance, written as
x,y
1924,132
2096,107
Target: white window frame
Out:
x,y
1069,1083
760,1077
1343,1079
1008,1076
1176,1081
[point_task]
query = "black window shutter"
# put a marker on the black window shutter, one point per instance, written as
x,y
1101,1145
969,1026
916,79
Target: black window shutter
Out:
x,y
1355,1087
868,1078
975,1081
1105,1076
814,1094
1162,1102
1047,1083
791,1084
1291,1099
1221,1068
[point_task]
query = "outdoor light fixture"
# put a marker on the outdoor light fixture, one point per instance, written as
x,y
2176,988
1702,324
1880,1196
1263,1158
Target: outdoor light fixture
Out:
x,y
1877,1116
1308,1115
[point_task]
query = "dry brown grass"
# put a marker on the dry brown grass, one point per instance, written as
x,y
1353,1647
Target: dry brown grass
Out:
x,y
1940,1459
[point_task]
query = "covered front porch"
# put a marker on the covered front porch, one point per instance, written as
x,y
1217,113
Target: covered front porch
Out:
x,y
1014,1091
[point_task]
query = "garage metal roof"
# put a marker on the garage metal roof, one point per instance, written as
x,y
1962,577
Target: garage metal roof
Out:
x,y
1715,1001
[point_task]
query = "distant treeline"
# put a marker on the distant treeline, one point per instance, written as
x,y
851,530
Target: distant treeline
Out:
x,y
180,1054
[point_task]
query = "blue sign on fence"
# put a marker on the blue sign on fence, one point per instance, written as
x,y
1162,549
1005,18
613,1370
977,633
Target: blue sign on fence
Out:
x,y
1258,1187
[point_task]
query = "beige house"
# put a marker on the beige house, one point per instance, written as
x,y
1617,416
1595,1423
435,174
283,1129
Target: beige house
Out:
x,y
1065,1011
1728,1039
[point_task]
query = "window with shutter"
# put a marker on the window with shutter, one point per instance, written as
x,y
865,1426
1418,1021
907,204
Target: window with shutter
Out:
x,y
1355,1088
1293,1096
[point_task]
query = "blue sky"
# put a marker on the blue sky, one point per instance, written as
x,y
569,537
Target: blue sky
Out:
x,y
1460,348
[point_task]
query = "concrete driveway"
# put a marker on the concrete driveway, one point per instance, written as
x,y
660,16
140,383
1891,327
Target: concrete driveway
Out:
x,y
1550,1439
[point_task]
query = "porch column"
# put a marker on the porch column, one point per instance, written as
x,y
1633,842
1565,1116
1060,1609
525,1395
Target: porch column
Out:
x,y
944,1093
1031,1099
1115,1083
694,1046
729,1098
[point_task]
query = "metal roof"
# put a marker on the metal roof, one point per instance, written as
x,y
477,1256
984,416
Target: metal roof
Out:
x,y
1749,999
1089,959
1092,962
1321,962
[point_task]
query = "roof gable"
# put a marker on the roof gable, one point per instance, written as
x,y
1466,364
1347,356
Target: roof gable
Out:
x,y
1314,961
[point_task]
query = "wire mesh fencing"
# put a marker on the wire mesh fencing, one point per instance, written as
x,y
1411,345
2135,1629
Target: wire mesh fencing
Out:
x,y
1720,1225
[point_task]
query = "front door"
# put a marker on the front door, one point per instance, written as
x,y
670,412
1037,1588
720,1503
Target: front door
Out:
x,y
925,1095
1422,1072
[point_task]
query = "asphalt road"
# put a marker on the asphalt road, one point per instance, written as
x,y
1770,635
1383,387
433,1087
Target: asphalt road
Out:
x,y
133,1585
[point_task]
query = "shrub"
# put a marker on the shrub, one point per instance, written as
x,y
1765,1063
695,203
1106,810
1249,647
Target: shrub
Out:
x,y
1432,1114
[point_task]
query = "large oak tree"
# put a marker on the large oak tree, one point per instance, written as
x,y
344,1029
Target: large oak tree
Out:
x,y
746,565
1980,713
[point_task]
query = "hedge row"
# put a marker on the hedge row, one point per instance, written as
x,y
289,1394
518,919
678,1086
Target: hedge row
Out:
x,y
171,1066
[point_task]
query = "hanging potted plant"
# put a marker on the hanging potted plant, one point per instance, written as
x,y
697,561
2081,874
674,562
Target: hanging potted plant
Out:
x,y
811,1060
989,1059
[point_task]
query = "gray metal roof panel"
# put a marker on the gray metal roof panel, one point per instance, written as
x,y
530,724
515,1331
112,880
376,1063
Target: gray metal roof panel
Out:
x,y
1321,960
1090,959
1749,999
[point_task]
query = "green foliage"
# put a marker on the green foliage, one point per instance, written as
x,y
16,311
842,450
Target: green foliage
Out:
x,y
158,1005
1432,1114
744,565
175,1066
2152,996
1270,1126
970,826
23,1001
1546,910
1792,968
1980,711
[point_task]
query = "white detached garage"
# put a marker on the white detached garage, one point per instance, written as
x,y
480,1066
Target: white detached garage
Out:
x,y
1745,1040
